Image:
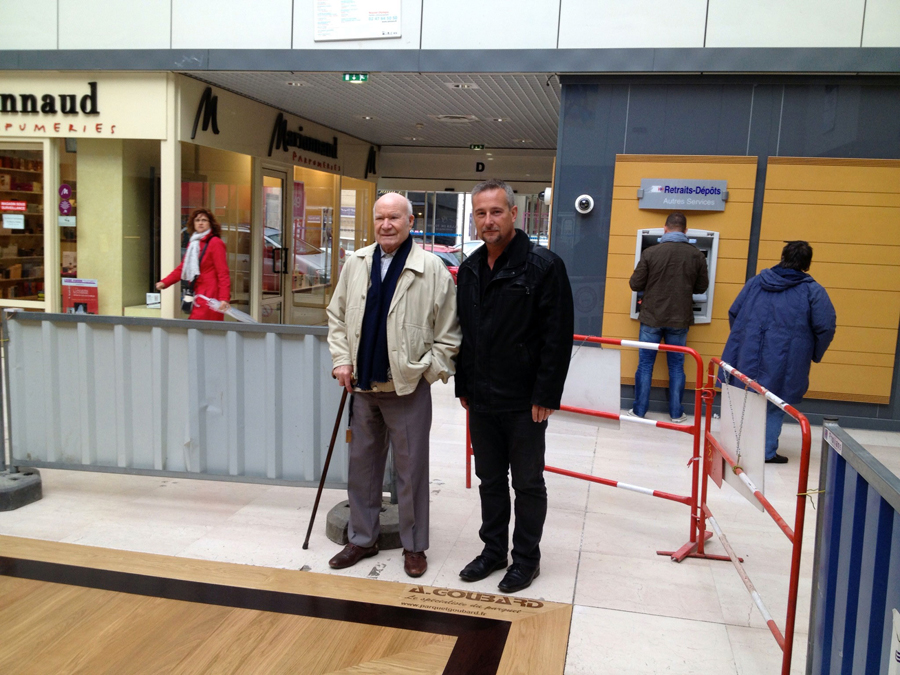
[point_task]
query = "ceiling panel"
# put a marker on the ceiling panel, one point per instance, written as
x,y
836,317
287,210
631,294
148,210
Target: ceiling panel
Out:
x,y
403,106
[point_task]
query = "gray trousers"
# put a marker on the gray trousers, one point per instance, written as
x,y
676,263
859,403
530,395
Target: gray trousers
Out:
x,y
380,418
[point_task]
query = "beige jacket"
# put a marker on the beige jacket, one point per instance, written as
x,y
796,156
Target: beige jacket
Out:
x,y
422,328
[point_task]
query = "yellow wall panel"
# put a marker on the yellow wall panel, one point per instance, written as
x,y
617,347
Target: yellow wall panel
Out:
x,y
849,211
829,174
868,340
850,380
631,219
834,224
736,249
861,277
733,226
819,197
859,358
865,254
866,309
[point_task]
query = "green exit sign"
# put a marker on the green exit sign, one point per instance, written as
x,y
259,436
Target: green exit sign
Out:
x,y
356,77
476,146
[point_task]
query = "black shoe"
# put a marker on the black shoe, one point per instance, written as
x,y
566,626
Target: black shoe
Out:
x,y
481,568
777,459
518,577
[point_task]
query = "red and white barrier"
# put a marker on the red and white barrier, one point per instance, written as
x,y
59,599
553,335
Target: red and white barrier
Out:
x,y
714,450
691,500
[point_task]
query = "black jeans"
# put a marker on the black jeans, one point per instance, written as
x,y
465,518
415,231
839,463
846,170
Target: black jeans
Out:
x,y
500,442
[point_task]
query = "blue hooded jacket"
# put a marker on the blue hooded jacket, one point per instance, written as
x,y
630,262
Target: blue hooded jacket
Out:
x,y
781,322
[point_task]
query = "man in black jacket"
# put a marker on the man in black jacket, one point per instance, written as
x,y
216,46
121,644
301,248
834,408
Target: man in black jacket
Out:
x,y
515,311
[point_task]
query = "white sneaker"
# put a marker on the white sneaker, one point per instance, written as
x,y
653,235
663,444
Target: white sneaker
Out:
x,y
631,413
680,420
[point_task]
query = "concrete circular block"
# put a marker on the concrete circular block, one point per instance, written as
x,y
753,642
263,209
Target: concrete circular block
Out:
x,y
339,516
19,487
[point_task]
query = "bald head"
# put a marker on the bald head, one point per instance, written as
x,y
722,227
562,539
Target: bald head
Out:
x,y
393,221
394,198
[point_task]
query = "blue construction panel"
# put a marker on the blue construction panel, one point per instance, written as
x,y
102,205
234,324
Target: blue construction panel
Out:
x,y
892,595
826,582
850,554
856,583
872,583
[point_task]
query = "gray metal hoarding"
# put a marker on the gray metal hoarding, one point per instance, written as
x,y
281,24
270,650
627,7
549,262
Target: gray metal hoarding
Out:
x,y
202,399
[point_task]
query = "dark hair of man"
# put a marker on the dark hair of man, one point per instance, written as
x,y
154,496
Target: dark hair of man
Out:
x,y
676,221
213,223
495,184
797,255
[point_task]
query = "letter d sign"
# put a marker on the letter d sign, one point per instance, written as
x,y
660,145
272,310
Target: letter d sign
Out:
x,y
479,167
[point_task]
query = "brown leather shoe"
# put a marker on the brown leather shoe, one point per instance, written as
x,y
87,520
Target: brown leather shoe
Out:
x,y
350,555
414,563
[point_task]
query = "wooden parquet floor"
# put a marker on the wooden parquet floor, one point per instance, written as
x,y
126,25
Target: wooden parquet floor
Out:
x,y
77,609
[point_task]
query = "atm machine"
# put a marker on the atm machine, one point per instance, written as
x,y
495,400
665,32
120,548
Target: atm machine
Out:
x,y
708,243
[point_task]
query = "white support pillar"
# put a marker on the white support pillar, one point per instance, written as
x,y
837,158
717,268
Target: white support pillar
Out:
x,y
170,198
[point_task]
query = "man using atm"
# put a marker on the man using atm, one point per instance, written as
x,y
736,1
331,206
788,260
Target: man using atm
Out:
x,y
668,274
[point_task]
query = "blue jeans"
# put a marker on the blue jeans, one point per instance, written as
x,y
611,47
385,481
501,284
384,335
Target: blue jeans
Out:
x,y
644,374
774,420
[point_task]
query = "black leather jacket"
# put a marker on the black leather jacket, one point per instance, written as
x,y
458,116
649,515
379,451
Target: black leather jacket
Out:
x,y
517,339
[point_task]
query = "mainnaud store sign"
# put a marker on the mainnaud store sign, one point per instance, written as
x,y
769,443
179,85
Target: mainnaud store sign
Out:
x,y
83,105
217,118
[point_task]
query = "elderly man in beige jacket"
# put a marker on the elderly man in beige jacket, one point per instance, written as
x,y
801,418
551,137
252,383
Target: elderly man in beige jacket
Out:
x,y
392,332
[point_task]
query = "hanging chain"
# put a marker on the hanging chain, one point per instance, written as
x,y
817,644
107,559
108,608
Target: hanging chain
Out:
x,y
739,428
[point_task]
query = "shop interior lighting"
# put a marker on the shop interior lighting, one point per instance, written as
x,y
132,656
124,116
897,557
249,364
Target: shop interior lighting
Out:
x,y
461,85
297,83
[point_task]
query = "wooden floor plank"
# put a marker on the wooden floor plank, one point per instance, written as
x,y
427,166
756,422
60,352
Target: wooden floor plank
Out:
x,y
428,660
83,629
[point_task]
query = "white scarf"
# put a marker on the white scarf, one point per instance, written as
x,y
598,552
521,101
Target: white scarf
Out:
x,y
190,270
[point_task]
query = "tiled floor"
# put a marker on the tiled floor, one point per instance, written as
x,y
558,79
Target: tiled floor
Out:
x,y
635,611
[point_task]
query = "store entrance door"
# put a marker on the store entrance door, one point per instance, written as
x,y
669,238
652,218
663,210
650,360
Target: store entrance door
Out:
x,y
276,249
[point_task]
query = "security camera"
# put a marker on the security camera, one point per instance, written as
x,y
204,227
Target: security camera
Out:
x,y
584,204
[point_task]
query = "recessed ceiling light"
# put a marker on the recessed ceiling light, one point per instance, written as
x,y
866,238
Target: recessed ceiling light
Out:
x,y
522,140
367,117
490,159
500,119
297,83
489,153
455,119
413,138
461,85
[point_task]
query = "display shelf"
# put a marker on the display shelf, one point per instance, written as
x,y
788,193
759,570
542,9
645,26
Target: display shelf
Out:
x,y
21,192
21,280
21,258
6,168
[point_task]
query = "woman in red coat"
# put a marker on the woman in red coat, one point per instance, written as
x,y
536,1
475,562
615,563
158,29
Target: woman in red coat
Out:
x,y
204,261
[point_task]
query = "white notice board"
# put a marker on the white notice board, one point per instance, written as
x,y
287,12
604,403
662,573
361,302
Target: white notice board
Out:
x,y
357,19
594,379
744,421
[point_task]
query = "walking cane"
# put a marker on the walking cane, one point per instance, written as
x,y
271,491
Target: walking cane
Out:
x,y
337,425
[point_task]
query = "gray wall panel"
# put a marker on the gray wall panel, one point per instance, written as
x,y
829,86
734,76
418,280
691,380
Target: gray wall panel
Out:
x,y
877,60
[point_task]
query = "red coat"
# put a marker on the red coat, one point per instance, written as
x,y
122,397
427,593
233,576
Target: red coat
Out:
x,y
213,282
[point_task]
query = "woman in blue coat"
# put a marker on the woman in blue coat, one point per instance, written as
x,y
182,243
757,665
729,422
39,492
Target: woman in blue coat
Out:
x,y
781,322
